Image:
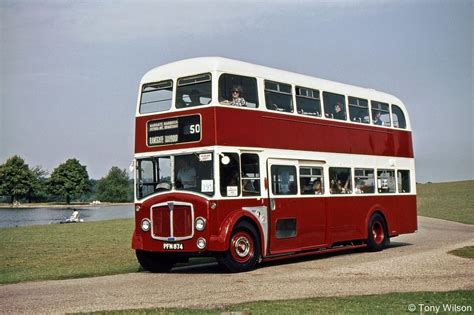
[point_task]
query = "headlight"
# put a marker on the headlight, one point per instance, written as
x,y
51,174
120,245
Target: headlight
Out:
x,y
200,224
146,225
201,243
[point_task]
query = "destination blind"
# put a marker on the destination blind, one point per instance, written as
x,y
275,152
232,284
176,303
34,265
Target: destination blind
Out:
x,y
174,130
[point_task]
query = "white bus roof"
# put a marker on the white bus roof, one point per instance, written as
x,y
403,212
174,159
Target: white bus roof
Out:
x,y
199,65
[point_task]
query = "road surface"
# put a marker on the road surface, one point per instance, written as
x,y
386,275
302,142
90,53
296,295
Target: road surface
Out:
x,y
415,262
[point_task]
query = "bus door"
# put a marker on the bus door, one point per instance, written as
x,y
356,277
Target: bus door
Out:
x,y
284,217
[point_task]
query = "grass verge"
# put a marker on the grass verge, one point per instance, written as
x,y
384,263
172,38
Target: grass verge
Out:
x,y
392,303
62,251
449,201
465,252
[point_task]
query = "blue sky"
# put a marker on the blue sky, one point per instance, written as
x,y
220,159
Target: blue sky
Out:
x,y
70,69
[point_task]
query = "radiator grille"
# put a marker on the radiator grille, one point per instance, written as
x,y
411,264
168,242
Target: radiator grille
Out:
x,y
172,221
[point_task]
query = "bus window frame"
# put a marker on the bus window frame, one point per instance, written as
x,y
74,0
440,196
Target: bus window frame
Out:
x,y
144,85
374,174
398,118
322,178
379,186
177,86
319,113
257,87
278,91
383,111
329,112
359,107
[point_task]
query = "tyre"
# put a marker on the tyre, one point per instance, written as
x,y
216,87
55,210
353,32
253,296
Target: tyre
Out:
x,y
244,249
378,237
154,262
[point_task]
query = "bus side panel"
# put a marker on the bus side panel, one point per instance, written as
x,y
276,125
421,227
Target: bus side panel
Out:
x,y
273,130
225,208
405,210
348,216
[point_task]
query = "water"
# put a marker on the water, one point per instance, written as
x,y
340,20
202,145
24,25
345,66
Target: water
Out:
x,y
20,217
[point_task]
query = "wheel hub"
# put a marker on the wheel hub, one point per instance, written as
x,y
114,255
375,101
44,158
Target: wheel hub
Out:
x,y
242,246
377,232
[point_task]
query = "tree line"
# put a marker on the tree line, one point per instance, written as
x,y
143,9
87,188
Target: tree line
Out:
x,y
68,182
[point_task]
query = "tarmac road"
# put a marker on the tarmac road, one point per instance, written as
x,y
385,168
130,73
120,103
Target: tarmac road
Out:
x,y
414,262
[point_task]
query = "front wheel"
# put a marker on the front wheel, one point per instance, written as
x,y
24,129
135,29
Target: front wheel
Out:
x,y
378,237
244,249
154,262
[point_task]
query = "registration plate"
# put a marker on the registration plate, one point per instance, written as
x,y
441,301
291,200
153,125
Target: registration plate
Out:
x,y
177,246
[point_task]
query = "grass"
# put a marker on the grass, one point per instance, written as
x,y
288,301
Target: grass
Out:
x,y
465,252
449,201
392,303
63,251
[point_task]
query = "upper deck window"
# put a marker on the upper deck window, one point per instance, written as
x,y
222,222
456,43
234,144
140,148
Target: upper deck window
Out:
x,y
308,101
193,91
359,110
237,90
278,96
380,114
398,117
156,97
334,105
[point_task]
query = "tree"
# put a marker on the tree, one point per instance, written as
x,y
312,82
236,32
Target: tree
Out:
x,y
115,186
70,180
15,178
38,189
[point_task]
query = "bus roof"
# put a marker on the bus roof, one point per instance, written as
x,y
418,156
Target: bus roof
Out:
x,y
198,65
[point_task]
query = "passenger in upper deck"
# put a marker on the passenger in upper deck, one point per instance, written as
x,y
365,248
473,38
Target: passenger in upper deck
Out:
x,y
237,99
338,112
377,118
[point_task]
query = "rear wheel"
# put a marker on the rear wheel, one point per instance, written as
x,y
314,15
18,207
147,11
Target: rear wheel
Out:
x,y
154,262
378,237
244,249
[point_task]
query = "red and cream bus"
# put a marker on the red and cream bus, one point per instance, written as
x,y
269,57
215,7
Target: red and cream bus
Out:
x,y
249,164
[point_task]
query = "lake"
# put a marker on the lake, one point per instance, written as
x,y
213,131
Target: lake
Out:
x,y
10,217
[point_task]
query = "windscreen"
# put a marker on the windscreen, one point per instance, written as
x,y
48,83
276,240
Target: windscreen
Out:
x,y
188,172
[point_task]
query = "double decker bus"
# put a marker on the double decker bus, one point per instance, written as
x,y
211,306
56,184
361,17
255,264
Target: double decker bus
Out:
x,y
248,164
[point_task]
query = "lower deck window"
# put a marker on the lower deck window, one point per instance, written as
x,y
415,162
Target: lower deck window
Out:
x,y
340,178
250,174
230,177
284,180
386,181
364,181
403,181
311,180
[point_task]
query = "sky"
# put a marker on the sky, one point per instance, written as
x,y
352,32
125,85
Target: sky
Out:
x,y
69,70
